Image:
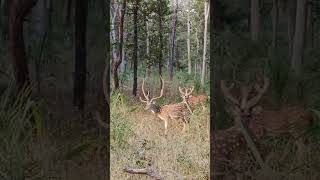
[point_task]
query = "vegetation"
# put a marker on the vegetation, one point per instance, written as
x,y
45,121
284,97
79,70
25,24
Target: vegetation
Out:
x,y
276,39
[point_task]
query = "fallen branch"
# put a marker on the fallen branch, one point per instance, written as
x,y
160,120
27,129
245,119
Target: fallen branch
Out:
x,y
148,171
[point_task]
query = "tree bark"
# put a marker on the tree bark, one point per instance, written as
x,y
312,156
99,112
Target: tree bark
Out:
x,y
40,16
5,6
255,20
80,54
173,39
297,53
292,5
309,26
160,38
118,60
67,11
206,13
275,21
135,50
19,9
188,40
148,64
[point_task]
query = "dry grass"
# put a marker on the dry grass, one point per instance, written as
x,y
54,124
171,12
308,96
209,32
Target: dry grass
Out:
x,y
138,141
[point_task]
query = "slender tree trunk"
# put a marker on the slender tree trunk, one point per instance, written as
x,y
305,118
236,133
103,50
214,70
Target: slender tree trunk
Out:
x,y
148,65
275,20
173,41
19,9
5,6
297,53
206,13
67,12
160,37
80,54
135,50
255,20
124,60
292,5
40,15
188,40
308,26
118,60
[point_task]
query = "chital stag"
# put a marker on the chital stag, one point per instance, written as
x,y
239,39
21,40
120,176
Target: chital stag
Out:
x,y
193,101
290,120
168,112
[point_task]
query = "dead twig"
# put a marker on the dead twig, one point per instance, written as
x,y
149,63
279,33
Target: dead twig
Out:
x,y
147,171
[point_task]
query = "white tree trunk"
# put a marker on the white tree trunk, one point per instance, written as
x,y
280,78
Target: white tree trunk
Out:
x,y
206,13
188,40
148,64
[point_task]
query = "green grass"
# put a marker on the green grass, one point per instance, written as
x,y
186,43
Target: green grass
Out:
x,y
138,141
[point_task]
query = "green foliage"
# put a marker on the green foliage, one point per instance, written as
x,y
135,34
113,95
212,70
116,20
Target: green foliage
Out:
x,y
16,135
120,127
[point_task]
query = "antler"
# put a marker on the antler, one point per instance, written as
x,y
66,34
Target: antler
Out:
x,y
161,91
187,91
226,92
148,100
260,91
145,96
190,90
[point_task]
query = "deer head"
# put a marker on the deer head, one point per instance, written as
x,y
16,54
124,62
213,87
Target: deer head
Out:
x,y
245,105
185,93
150,105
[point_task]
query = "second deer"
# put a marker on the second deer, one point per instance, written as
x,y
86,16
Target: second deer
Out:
x,y
168,112
193,101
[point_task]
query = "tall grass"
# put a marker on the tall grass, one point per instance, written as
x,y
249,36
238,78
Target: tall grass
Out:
x,y
16,137
137,136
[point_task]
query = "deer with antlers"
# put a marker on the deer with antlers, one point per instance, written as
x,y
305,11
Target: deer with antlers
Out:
x,y
291,120
193,101
168,112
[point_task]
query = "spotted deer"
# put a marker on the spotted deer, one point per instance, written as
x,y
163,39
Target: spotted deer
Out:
x,y
290,120
193,101
167,112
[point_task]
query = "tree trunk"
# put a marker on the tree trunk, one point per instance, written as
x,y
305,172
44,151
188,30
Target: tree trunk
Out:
x,y
297,53
80,53
160,37
188,40
275,20
206,13
148,64
135,50
255,19
174,26
67,12
40,16
124,60
308,26
50,10
5,6
19,9
118,60
291,10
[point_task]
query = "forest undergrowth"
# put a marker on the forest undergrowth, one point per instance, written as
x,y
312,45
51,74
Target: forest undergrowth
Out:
x,y
137,137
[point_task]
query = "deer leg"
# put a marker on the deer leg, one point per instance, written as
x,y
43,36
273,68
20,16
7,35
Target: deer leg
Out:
x,y
184,127
165,127
203,108
300,149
